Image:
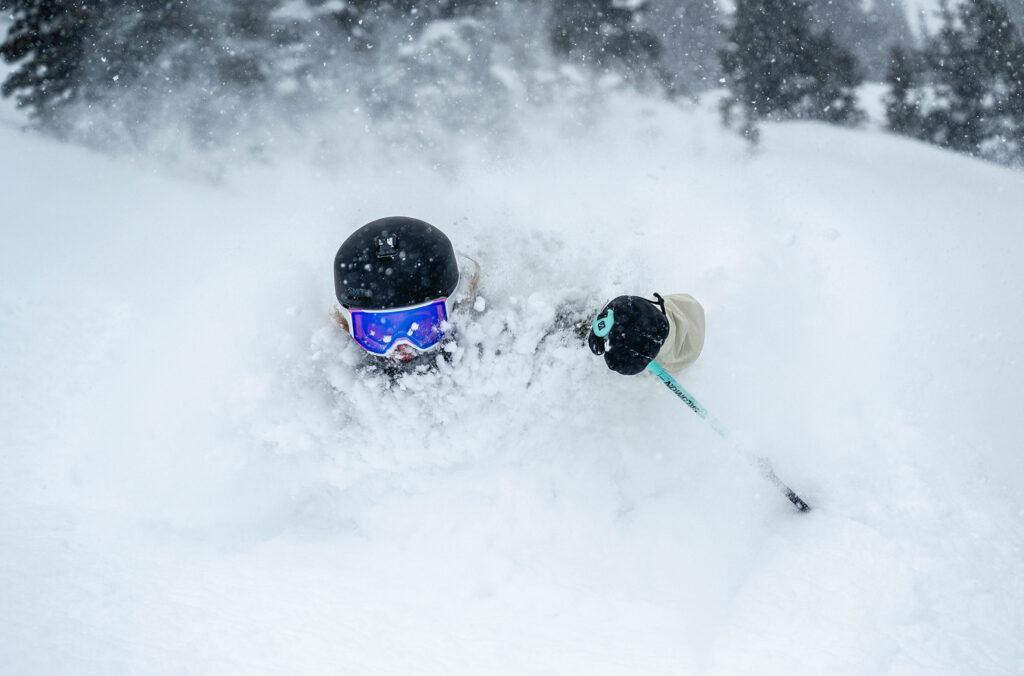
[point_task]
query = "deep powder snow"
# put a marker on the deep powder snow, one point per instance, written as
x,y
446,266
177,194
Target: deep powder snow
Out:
x,y
202,474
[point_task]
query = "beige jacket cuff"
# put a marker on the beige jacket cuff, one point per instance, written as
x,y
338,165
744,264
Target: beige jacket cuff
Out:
x,y
686,332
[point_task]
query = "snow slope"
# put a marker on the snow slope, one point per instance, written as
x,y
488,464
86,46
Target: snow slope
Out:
x,y
201,476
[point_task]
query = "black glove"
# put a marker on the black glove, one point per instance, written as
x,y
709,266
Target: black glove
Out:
x,y
629,331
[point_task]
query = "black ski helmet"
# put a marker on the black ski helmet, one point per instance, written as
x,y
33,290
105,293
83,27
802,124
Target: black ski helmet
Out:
x,y
394,262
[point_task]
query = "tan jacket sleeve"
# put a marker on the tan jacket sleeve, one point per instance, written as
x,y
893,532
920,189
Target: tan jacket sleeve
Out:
x,y
686,332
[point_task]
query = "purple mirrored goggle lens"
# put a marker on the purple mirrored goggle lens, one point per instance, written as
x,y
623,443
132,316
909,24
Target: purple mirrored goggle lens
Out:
x,y
378,332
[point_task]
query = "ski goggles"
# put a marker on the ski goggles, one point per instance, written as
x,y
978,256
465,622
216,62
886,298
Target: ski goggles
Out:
x,y
380,331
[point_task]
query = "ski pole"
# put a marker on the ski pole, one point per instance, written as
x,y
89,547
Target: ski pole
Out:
x,y
763,464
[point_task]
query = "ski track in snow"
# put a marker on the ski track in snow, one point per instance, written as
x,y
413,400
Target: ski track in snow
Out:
x,y
203,475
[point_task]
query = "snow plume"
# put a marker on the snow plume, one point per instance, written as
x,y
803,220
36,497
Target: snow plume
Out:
x,y
244,80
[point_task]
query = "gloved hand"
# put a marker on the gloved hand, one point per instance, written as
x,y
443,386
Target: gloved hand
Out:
x,y
629,331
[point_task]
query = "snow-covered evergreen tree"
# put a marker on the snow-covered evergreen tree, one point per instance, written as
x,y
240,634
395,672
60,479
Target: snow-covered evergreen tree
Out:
x,y
776,67
978,61
690,38
867,29
608,34
46,42
128,60
970,95
903,100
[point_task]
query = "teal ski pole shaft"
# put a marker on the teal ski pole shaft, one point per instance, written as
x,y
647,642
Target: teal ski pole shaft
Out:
x,y
763,464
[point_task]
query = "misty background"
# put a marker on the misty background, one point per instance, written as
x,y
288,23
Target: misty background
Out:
x,y
324,75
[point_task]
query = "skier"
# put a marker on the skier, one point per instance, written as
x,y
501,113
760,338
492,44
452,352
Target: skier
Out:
x,y
398,280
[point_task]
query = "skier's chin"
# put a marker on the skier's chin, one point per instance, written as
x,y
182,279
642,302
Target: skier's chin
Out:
x,y
403,353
